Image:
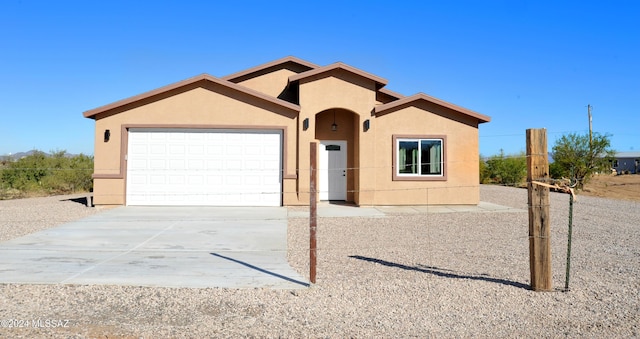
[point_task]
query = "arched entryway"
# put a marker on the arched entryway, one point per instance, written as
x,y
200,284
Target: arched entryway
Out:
x,y
337,131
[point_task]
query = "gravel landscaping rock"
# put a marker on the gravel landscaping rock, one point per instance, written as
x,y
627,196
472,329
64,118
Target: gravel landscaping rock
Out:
x,y
419,275
24,216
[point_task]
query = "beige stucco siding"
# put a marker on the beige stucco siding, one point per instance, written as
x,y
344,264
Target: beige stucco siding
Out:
x,y
270,83
286,95
353,98
195,108
340,89
461,160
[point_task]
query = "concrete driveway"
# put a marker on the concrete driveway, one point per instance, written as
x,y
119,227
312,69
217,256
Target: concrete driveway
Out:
x,y
237,247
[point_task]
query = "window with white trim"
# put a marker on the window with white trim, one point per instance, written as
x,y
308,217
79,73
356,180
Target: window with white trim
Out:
x,y
419,157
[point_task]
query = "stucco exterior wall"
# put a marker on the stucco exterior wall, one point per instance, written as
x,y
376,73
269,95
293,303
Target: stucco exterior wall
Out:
x,y
270,83
196,108
351,95
353,98
461,164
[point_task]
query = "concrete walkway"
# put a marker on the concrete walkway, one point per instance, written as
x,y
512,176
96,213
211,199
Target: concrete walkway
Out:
x,y
338,210
235,247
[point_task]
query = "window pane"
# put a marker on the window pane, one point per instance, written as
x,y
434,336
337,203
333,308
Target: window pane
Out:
x,y
431,157
408,157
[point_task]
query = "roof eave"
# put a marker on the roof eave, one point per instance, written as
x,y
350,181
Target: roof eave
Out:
x,y
378,110
339,65
94,112
267,65
391,93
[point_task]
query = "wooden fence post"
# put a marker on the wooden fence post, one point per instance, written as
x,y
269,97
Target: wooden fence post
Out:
x,y
539,222
313,215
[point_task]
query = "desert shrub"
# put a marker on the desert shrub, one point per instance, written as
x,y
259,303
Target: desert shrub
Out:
x,y
557,171
510,170
485,175
55,174
578,158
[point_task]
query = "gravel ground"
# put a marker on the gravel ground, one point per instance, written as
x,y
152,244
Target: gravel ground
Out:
x,y
24,216
431,275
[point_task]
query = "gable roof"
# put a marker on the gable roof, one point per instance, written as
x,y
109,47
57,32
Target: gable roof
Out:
x,y
229,82
184,83
391,93
380,82
280,63
414,99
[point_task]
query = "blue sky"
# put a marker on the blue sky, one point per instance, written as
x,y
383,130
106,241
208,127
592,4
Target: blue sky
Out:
x,y
526,64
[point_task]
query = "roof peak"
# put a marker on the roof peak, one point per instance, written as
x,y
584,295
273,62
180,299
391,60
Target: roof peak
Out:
x,y
267,65
339,65
380,109
190,81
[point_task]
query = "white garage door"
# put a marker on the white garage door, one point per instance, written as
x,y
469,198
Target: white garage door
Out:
x,y
204,167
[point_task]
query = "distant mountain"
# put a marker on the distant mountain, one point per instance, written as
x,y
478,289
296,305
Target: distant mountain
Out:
x,y
20,155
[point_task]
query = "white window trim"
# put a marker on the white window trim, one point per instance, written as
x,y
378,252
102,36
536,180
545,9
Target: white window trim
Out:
x,y
397,176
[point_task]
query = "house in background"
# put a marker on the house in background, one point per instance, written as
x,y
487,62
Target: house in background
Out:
x,y
244,140
626,161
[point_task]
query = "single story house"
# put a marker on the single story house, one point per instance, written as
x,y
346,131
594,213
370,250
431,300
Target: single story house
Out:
x,y
626,162
244,140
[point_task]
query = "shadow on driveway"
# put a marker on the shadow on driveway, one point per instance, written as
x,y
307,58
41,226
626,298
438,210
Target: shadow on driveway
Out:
x,y
280,276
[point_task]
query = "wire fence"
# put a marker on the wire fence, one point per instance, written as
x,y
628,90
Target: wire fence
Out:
x,y
410,236
279,174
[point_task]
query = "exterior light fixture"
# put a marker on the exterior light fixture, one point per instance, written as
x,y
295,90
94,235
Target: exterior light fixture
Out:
x,y
107,135
366,125
305,124
334,126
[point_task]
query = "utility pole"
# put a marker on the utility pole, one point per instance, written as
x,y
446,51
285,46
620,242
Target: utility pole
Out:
x,y
590,126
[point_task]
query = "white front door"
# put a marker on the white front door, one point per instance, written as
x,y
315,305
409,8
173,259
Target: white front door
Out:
x,y
333,170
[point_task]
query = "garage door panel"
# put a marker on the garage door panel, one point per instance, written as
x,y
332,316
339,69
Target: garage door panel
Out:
x,y
234,180
158,179
216,165
137,179
215,150
233,165
233,150
137,164
253,150
195,179
175,136
157,164
176,149
196,150
158,149
195,136
197,164
151,136
176,164
175,179
209,167
252,164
